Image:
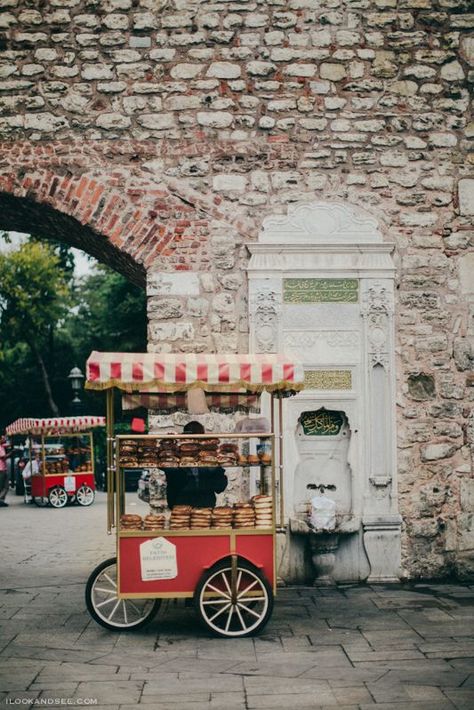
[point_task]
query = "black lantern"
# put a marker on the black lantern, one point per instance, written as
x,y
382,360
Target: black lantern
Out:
x,y
76,378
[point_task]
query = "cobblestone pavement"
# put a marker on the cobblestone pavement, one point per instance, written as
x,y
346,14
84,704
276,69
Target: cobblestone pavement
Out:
x,y
354,646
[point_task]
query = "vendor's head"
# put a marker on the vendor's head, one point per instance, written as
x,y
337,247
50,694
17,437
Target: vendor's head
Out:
x,y
193,428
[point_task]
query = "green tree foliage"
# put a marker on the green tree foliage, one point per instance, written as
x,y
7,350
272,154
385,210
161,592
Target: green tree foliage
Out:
x,y
111,315
33,299
62,251
49,323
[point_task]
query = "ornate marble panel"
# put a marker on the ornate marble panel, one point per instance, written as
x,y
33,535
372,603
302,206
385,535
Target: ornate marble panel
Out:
x,y
265,315
320,290
328,379
321,347
321,315
321,221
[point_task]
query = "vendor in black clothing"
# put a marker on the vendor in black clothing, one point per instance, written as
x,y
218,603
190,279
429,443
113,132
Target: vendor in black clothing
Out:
x,y
196,486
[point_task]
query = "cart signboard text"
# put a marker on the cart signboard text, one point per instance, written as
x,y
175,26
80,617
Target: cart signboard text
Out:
x,y
158,560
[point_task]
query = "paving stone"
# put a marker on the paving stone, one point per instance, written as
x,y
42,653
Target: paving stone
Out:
x,y
293,644
388,655
393,638
285,700
162,699
337,637
20,651
324,648
79,671
423,665
424,693
407,705
267,685
18,679
57,685
349,677
432,679
211,683
462,698
352,694
330,657
230,701
211,648
191,663
111,692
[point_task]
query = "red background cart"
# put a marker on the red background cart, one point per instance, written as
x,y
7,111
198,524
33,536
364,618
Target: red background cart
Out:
x,y
66,470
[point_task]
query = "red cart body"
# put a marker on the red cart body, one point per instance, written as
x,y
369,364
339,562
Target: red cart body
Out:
x,y
194,553
71,482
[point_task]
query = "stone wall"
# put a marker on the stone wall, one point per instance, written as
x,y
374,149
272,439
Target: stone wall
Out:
x,y
158,135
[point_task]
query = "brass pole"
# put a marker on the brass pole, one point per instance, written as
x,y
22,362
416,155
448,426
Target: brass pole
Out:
x,y
110,459
280,457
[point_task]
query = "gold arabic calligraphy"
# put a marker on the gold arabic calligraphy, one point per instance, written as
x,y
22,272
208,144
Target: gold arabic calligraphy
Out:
x,y
321,423
320,290
328,379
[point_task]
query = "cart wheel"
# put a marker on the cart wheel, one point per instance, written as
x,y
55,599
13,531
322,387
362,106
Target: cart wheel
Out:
x,y
57,497
41,501
109,611
245,615
85,495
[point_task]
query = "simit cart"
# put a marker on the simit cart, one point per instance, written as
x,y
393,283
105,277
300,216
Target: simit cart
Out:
x,y
226,565
66,449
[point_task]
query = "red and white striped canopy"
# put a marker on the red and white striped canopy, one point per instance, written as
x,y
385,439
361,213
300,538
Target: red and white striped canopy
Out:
x,y
176,372
54,425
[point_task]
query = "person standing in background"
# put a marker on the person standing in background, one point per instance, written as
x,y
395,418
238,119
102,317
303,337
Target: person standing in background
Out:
x,y
4,482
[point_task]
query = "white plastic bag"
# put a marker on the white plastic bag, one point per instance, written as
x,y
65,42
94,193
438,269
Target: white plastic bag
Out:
x,y
323,513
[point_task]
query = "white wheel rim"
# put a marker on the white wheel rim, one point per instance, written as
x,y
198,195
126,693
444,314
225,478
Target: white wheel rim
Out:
x,y
231,618
58,498
121,613
85,495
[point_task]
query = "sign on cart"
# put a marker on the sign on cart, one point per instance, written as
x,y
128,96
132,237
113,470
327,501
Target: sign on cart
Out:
x,y
158,560
69,484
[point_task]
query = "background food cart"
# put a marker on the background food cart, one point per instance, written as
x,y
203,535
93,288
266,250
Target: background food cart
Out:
x,y
66,448
229,569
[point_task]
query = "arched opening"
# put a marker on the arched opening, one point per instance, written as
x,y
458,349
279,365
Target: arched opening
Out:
x,y
105,309
21,214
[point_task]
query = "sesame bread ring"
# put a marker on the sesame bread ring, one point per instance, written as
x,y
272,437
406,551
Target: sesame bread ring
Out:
x,y
129,518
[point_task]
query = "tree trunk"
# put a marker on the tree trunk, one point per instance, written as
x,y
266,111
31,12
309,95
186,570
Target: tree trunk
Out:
x,y
44,374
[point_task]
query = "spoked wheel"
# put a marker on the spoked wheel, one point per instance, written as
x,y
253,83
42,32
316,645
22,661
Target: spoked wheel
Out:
x,y
107,609
85,495
243,611
41,501
57,497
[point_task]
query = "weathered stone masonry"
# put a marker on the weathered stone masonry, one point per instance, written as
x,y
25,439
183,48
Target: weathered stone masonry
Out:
x,y
158,136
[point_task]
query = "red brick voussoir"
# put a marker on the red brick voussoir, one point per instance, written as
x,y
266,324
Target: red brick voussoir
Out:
x,y
119,212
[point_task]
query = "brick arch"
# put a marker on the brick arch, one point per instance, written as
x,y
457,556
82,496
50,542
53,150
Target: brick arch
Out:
x,y
129,224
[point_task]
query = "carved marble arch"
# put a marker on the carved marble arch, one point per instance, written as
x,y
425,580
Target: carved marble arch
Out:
x,y
321,222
